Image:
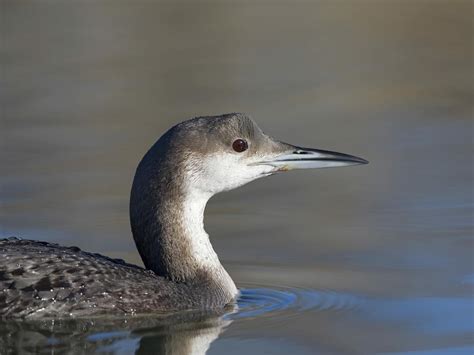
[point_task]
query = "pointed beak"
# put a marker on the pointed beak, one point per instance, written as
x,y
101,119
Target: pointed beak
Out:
x,y
308,158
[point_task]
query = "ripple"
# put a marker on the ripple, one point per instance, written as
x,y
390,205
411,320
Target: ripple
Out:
x,y
260,301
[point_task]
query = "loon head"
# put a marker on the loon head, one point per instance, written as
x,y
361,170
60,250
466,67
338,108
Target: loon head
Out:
x,y
220,153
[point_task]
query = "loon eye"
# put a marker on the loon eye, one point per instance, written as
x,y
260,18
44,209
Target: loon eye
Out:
x,y
240,145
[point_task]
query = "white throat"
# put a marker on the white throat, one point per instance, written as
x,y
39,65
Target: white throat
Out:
x,y
201,248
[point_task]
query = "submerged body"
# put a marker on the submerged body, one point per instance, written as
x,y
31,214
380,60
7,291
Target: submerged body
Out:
x,y
189,164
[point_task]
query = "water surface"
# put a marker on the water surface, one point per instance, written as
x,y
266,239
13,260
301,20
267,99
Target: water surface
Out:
x,y
372,259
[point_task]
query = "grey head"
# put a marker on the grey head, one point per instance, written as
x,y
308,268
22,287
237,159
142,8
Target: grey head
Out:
x,y
203,151
190,163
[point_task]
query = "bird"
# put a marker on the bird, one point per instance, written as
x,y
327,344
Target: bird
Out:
x,y
184,168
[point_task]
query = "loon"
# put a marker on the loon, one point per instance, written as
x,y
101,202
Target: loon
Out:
x,y
190,163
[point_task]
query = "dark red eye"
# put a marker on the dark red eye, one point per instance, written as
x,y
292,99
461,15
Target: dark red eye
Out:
x,y
240,145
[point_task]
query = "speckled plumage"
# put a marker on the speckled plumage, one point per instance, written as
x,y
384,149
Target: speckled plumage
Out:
x,y
40,279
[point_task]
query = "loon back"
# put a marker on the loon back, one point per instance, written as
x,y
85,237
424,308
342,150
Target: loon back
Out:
x,y
40,279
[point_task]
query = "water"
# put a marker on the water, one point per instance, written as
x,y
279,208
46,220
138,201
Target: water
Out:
x,y
372,259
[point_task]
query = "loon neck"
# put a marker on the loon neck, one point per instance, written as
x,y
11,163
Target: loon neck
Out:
x,y
167,219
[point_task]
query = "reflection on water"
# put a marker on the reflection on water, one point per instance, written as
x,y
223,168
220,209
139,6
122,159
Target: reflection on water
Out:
x,y
187,333
177,334
373,259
